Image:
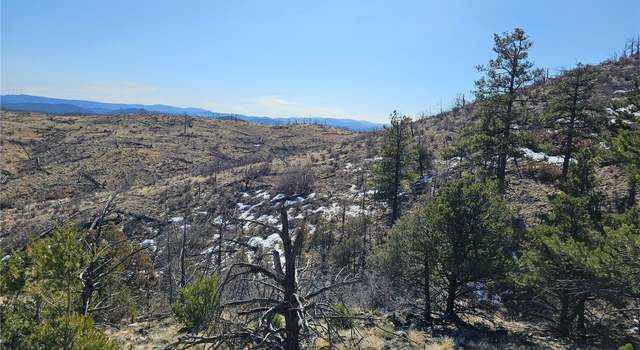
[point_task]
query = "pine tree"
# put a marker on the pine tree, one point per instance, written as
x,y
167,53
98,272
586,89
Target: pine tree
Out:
x,y
621,254
502,104
440,247
394,167
572,113
42,282
410,258
474,226
558,254
625,144
625,148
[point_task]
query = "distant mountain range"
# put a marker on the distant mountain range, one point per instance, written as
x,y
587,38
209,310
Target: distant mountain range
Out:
x,y
59,106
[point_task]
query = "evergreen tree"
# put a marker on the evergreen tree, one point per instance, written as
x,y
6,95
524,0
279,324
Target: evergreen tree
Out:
x,y
621,254
43,283
474,226
394,167
502,105
583,184
58,285
626,151
558,254
625,144
572,114
411,256
460,237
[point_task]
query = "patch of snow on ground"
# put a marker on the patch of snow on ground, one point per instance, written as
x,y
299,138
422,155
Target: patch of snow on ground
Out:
x,y
278,197
263,194
336,209
539,156
312,228
298,200
149,243
268,219
219,221
270,242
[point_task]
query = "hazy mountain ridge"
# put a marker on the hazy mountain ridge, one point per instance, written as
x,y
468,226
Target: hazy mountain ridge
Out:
x,y
41,104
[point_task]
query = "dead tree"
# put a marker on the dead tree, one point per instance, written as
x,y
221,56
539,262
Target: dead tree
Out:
x,y
363,212
285,295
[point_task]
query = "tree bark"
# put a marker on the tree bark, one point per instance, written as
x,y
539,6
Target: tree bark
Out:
x,y
563,320
395,213
292,320
183,265
169,267
450,312
581,327
427,290
631,192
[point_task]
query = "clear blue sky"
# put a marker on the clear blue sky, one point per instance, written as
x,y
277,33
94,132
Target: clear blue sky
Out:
x,y
359,59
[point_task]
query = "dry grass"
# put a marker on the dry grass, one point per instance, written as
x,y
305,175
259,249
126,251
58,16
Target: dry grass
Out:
x,y
445,344
146,335
80,160
416,338
384,330
372,342
320,343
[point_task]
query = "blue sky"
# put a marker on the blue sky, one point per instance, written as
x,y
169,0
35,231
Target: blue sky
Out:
x,y
358,59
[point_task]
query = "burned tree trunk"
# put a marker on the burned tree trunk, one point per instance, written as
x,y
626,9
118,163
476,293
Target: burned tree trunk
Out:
x,y
292,306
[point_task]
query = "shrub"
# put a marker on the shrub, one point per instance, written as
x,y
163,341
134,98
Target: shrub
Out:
x,y
344,318
543,172
82,333
278,321
255,171
295,181
40,283
196,303
21,330
347,252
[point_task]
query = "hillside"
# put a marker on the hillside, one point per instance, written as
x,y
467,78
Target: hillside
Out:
x,y
55,166
200,189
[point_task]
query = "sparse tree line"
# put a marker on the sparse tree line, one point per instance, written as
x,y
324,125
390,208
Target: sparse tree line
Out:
x,y
453,245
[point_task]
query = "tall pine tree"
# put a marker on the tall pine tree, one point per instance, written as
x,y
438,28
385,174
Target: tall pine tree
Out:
x,y
395,164
572,114
503,104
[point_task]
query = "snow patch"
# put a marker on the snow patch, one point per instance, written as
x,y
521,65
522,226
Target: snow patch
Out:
x,y
176,219
270,242
541,157
149,243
